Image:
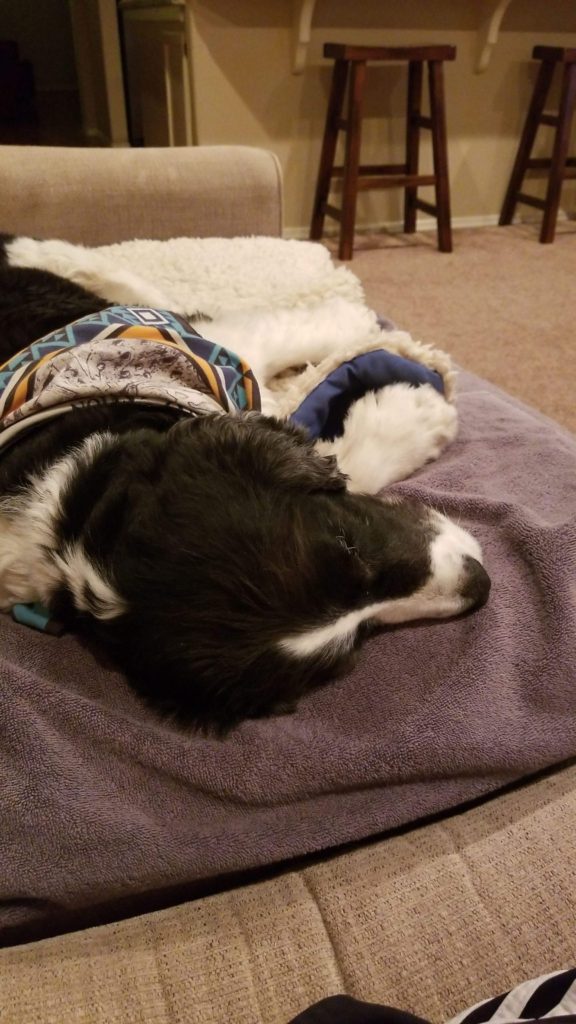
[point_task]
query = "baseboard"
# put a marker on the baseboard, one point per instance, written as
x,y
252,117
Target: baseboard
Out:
x,y
396,227
422,224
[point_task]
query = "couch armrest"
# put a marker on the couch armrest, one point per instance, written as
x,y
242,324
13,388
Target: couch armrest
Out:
x,y
100,196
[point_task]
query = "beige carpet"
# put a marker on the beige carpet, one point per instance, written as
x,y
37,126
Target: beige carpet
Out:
x,y
502,304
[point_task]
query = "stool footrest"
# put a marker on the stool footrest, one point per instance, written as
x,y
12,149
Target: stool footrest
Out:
x,y
421,121
383,169
332,211
522,197
337,172
552,120
430,208
544,163
396,181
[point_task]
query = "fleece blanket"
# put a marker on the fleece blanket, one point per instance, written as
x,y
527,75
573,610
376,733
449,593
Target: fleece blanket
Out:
x,y
108,811
261,297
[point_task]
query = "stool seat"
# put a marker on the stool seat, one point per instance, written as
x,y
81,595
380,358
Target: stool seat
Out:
x,y
344,51
559,165
349,76
559,54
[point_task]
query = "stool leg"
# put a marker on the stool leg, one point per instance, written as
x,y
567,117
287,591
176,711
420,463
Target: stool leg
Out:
x,y
541,88
352,159
560,153
334,112
412,141
440,154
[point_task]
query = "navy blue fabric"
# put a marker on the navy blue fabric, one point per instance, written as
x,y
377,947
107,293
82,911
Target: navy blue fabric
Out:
x,y
324,410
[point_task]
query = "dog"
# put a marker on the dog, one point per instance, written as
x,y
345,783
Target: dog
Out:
x,y
224,564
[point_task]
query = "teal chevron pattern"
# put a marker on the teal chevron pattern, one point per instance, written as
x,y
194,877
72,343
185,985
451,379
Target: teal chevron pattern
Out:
x,y
226,375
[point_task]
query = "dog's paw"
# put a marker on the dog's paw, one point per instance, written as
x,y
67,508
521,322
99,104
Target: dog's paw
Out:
x,y
434,419
389,434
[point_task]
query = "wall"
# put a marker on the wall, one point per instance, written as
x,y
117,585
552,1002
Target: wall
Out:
x,y
89,48
43,33
245,91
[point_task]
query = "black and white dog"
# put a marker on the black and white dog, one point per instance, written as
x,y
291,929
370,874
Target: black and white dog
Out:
x,y
224,564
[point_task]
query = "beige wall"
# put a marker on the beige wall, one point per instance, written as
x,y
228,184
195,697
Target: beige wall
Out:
x,y
245,91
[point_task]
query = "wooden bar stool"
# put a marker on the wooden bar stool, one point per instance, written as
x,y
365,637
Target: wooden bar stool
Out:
x,y
559,165
350,71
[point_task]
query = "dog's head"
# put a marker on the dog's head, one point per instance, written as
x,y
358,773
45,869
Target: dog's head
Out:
x,y
230,570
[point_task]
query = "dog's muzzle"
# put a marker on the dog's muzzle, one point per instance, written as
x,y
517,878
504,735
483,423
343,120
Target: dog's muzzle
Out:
x,y
477,582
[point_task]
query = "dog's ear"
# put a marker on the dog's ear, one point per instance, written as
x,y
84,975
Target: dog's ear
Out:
x,y
291,459
301,467
262,448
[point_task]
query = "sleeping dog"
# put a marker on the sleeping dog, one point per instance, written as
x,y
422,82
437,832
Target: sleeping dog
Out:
x,y
222,562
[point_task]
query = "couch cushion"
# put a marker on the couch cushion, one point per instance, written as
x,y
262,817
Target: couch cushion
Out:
x,y
430,921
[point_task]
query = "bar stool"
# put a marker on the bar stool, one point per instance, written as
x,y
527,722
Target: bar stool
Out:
x,y
559,165
350,70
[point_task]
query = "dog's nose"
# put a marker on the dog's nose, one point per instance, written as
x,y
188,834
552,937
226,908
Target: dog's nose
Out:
x,y
477,582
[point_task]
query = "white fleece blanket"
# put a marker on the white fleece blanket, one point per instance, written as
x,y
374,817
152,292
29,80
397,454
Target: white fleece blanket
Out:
x,y
214,275
222,275
294,316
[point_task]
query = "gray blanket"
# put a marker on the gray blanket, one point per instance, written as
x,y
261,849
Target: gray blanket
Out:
x,y
106,811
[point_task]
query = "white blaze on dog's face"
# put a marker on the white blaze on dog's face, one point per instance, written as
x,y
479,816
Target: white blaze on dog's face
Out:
x,y
457,578
455,582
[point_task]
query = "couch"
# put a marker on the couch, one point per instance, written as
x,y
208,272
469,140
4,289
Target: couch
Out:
x,y
430,919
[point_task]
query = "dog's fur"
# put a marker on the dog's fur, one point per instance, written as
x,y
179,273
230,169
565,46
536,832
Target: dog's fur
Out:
x,y
221,560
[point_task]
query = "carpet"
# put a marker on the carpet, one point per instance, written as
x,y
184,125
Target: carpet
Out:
x,y
503,305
